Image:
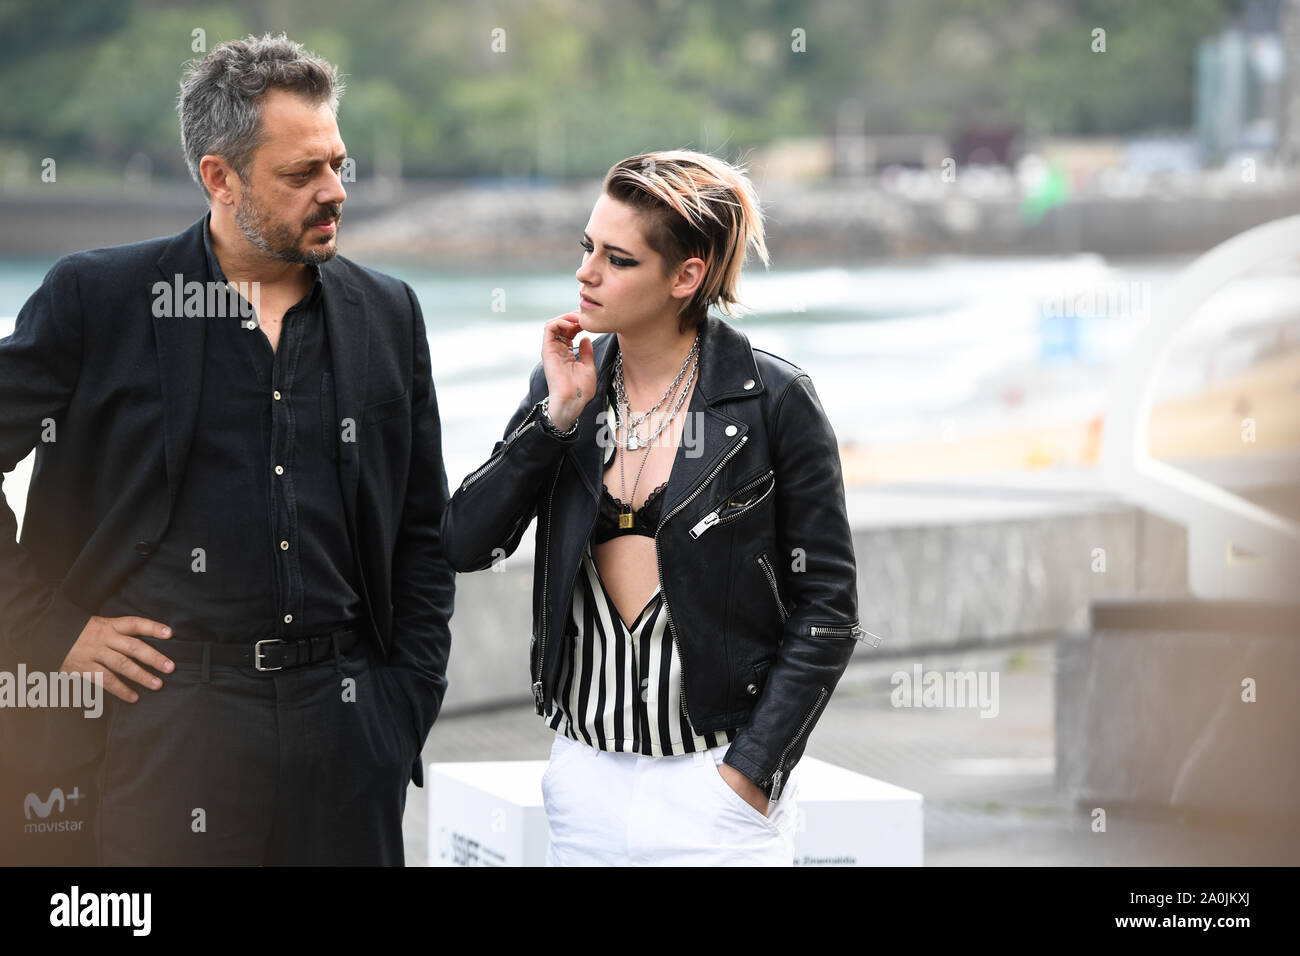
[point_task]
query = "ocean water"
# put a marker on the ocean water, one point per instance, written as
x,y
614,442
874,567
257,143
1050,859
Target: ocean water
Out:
x,y
896,352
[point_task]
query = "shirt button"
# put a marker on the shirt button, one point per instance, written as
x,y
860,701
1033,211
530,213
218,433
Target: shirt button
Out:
x,y
288,619
751,689
279,469
250,324
731,430
144,548
749,383
276,395
284,545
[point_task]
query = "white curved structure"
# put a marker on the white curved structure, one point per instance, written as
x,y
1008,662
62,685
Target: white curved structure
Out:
x,y
1235,549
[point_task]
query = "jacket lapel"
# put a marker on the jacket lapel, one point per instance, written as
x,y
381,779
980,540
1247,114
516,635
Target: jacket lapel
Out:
x,y
726,363
587,453
349,337
179,342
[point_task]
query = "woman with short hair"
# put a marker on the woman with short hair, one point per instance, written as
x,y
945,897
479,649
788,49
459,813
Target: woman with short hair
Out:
x,y
694,587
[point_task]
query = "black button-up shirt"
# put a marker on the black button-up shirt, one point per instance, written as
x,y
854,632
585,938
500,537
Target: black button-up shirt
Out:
x,y
258,543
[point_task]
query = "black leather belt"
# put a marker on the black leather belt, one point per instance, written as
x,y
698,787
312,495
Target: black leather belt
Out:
x,y
269,654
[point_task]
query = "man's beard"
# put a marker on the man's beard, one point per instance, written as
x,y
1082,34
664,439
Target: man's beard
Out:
x,y
280,239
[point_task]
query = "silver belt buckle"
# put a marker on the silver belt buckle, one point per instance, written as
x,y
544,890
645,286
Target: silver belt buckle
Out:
x,y
257,654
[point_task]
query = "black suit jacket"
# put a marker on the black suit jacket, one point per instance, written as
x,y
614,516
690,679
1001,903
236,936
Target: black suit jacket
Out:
x,y
91,366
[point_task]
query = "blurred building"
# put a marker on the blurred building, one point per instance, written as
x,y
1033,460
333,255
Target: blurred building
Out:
x,y
1242,85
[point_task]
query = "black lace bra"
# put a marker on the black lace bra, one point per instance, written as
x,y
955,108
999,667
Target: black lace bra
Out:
x,y
645,521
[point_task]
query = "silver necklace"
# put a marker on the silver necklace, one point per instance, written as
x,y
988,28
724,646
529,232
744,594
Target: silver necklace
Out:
x,y
625,516
634,440
629,422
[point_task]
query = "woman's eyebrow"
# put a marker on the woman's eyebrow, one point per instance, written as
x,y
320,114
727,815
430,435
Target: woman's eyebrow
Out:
x,y
608,246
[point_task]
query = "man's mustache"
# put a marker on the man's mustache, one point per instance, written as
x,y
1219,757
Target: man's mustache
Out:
x,y
332,212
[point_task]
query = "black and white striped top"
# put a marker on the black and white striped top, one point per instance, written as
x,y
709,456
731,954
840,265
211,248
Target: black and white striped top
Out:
x,y
620,688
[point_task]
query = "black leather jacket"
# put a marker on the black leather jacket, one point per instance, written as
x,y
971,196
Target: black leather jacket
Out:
x,y
754,549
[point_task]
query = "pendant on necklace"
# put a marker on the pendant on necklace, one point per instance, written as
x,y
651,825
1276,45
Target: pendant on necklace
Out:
x,y
625,519
632,443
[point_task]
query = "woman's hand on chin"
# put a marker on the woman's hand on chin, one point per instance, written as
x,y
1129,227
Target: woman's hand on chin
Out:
x,y
571,383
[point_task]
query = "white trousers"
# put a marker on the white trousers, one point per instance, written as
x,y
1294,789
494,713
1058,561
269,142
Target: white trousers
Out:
x,y
621,809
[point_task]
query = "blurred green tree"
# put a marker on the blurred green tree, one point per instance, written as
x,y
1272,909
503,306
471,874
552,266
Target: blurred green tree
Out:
x,y
556,88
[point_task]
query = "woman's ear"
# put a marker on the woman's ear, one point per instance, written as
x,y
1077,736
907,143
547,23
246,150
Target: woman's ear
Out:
x,y
688,278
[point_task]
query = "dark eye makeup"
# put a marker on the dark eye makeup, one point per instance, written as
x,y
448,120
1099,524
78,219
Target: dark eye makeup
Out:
x,y
613,260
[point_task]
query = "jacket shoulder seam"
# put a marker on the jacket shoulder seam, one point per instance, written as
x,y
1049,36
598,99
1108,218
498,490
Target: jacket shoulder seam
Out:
x,y
788,366
780,401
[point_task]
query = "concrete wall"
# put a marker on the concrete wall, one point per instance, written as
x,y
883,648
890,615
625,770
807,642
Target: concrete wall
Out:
x,y
844,222
943,570
1150,711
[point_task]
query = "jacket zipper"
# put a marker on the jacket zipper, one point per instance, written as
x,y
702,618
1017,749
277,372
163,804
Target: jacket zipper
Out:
x,y
771,580
672,628
483,470
712,518
528,422
538,695
780,764
852,630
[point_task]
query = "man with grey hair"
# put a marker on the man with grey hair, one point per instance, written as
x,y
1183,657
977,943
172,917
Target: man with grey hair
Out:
x,y
237,527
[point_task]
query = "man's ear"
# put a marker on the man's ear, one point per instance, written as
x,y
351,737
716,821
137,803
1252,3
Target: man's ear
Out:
x,y
220,179
689,276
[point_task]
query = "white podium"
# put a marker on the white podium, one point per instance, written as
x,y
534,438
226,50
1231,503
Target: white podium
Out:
x,y
489,813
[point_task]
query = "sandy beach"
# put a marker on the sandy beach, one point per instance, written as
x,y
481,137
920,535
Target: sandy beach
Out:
x,y
1262,403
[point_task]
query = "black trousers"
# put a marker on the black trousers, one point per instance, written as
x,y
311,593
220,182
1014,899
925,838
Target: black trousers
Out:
x,y
226,765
